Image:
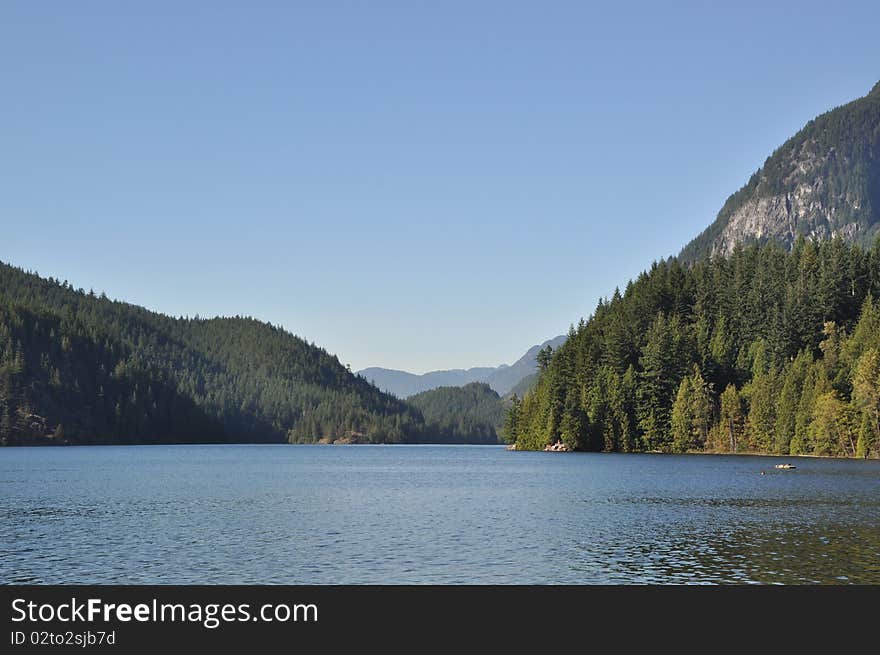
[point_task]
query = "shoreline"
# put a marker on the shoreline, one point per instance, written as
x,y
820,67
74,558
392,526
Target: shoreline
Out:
x,y
238,443
699,452
507,447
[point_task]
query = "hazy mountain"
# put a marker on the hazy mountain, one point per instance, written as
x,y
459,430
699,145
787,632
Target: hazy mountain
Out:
x,y
403,384
501,378
522,386
505,378
823,182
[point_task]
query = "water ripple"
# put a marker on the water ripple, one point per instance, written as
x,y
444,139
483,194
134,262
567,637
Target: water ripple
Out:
x,y
312,515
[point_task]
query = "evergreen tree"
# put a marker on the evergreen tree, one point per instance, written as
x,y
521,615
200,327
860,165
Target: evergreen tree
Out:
x,y
664,356
731,424
815,385
761,393
867,438
511,421
573,428
866,394
789,399
682,420
831,431
768,327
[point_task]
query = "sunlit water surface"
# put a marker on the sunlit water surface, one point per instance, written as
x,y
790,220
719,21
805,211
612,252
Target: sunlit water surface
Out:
x,y
426,514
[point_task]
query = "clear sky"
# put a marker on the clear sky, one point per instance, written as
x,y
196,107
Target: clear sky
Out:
x,y
412,185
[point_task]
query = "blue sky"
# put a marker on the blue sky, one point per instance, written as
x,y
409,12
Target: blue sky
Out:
x,y
412,185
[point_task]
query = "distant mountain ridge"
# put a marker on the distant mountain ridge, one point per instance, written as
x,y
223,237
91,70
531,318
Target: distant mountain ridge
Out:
x,y
823,182
500,378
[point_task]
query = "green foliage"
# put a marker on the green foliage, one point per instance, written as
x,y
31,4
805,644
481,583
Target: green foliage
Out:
x,y
682,440
574,424
832,431
664,359
512,419
110,372
789,401
729,433
473,413
761,393
791,338
692,413
866,398
867,438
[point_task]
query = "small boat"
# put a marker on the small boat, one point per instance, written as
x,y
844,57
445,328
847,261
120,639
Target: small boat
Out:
x,y
785,466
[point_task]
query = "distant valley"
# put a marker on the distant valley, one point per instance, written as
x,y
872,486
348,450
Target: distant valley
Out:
x,y
761,336
502,379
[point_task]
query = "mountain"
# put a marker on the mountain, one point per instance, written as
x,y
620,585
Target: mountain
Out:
x,y
505,378
502,378
472,413
403,384
823,182
523,386
78,368
762,336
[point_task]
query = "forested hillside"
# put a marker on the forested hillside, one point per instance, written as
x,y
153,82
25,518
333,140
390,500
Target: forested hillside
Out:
x,y
823,182
762,351
469,414
77,368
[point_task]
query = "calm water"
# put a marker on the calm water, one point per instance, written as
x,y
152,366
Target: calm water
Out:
x,y
425,514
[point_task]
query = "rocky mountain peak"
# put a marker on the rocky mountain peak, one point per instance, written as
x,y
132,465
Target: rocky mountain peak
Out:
x,y
824,182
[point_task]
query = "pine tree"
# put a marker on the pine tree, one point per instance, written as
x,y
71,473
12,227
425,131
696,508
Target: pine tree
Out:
x,y
664,356
573,427
816,383
789,399
682,420
511,422
731,420
5,423
692,413
722,350
761,394
831,430
702,407
866,387
867,438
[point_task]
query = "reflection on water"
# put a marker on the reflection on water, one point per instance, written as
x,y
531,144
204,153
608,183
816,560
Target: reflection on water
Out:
x,y
324,515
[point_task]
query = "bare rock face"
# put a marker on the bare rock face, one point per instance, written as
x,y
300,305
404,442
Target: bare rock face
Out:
x,y
822,183
804,210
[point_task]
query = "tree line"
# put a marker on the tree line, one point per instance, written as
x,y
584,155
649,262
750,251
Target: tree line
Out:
x,y
766,351
473,413
76,367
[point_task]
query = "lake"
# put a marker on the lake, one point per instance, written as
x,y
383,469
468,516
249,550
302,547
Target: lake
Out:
x,y
430,514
